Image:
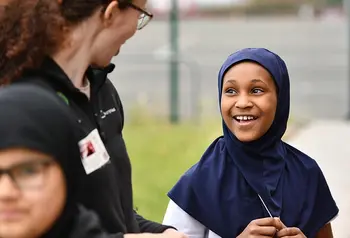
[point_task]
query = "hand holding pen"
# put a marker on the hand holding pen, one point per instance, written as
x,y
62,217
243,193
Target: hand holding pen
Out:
x,y
262,228
290,232
281,229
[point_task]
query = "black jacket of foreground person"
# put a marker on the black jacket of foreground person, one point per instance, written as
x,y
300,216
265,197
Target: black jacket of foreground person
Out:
x,y
108,189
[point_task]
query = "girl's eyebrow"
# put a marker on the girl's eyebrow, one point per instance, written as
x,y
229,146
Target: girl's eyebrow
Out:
x,y
258,81
233,81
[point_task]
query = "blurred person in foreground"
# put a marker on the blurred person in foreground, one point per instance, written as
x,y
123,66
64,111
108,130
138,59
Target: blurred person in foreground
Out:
x,y
67,46
249,183
39,163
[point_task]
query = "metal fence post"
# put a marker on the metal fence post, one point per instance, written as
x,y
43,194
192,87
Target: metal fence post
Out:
x,y
174,64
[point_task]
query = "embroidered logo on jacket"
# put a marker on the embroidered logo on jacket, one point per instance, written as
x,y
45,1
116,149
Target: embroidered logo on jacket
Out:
x,y
108,112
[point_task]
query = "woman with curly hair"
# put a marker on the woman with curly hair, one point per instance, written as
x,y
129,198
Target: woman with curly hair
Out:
x,y
66,46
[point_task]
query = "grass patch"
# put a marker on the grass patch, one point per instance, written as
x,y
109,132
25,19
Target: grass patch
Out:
x,y
160,153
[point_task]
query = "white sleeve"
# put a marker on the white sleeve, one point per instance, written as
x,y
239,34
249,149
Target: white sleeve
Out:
x,y
183,222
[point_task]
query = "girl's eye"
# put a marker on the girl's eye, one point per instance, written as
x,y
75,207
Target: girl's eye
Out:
x,y
257,90
230,91
27,170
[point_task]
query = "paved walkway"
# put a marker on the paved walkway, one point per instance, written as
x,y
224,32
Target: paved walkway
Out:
x,y
328,142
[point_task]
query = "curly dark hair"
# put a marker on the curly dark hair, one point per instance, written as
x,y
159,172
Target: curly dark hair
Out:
x,y
32,29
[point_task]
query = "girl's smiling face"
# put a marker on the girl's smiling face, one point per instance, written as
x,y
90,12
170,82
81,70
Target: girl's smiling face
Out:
x,y
248,101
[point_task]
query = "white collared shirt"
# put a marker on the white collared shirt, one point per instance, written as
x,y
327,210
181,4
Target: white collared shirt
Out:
x,y
183,222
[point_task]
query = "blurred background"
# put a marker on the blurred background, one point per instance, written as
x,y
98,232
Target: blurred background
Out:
x,y
167,79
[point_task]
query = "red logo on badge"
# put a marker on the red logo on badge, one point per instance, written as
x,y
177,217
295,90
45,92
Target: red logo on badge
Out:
x,y
87,149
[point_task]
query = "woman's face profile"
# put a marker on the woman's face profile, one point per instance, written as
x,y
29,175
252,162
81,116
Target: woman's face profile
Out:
x,y
118,27
32,193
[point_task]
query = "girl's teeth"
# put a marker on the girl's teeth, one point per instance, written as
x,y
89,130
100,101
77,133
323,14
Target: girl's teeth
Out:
x,y
244,118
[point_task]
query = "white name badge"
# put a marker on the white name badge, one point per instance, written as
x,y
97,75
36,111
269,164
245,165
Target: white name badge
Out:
x,y
93,152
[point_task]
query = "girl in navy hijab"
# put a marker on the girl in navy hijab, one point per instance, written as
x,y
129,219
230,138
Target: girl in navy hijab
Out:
x,y
249,183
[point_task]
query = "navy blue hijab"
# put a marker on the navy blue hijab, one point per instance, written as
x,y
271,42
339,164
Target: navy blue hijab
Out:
x,y
221,190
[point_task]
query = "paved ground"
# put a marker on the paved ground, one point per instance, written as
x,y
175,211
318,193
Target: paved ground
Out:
x,y
327,142
315,51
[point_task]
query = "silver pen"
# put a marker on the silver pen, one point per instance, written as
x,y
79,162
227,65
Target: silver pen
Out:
x,y
268,211
262,201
